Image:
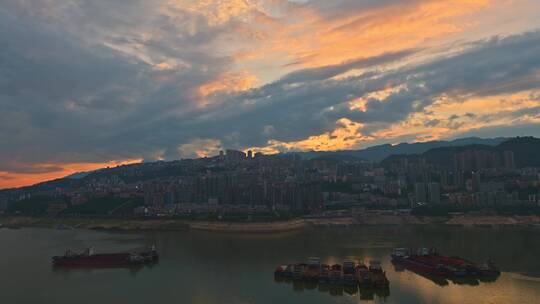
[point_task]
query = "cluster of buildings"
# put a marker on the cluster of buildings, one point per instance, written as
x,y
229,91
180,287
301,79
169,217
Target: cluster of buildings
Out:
x,y
251,183
469,179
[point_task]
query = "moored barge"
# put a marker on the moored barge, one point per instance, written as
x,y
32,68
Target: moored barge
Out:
x,y
89,258
347,274
430,262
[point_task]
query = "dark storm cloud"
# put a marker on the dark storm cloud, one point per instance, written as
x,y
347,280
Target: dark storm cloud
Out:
x,y
65,97
42,72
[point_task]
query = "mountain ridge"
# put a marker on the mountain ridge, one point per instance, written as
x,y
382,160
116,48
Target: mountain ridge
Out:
x,y
526,151
380,152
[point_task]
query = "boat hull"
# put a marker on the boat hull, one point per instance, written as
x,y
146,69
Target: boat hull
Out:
x,y
105,260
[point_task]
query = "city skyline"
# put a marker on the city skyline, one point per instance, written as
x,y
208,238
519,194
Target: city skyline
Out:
x,y
375,154
89,84
440,177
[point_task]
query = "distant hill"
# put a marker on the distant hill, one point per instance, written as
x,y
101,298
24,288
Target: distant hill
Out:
x,y
78,175
526,152
337,158
380,152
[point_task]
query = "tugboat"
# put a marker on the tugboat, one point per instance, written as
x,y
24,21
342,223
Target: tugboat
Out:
x,y
400,254
489,269
89,258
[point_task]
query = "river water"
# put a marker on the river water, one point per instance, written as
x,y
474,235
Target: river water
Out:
x,y
207,268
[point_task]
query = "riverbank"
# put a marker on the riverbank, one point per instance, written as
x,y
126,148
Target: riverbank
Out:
x,y
153,224
268,227
92,223
494,221
285,226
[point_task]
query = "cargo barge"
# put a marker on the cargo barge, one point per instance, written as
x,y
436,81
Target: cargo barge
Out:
x,y
89,258
430,262
347,274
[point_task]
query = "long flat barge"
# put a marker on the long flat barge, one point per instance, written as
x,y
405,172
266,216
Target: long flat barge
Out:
x,y
430,262
89,258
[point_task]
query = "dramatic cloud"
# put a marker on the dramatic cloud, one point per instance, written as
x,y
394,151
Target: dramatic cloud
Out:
x,y
89,83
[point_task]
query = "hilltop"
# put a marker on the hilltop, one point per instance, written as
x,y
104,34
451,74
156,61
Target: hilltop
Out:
x,y
526,151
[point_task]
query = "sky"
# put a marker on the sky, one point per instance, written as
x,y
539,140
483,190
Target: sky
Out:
x,y
86,84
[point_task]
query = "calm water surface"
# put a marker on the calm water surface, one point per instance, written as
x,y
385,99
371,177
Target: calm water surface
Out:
x,y
207,268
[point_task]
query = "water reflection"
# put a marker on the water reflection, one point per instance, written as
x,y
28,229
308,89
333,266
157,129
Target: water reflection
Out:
x,y
472,281
398,267
201,267
66,271
334,289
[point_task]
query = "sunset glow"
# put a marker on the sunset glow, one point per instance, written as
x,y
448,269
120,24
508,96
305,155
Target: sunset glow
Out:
x,y
8,179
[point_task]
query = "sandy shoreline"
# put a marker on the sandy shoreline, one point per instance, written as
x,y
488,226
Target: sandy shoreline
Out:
x,y
250,227
271,227
494,221
154,224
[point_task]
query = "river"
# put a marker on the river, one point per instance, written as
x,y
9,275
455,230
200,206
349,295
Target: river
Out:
x,y
206,268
